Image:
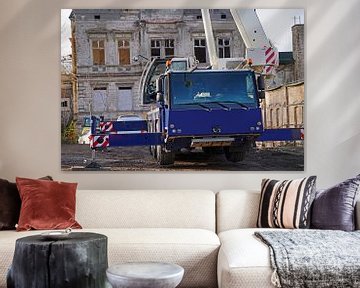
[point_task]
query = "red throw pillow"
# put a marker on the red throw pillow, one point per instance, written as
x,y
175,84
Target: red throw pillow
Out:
x,y
46,204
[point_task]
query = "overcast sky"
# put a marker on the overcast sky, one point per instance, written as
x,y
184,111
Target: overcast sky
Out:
x,y
276,23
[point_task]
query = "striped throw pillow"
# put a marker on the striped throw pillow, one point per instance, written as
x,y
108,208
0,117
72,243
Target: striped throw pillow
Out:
x,y
286,204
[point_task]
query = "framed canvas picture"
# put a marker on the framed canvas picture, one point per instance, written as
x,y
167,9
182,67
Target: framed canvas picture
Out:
x,y
182,89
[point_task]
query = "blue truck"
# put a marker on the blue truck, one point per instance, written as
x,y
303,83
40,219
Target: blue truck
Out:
x,y
215,110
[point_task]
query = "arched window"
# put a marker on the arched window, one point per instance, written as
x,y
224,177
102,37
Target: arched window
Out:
x,y
277,117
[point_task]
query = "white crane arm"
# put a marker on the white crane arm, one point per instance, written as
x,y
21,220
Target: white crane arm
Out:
x,y
263,55
258,47
210,40
250,28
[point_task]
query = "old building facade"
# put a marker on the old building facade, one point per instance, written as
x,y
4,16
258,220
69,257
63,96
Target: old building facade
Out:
x,y
110,49
283,106
105,44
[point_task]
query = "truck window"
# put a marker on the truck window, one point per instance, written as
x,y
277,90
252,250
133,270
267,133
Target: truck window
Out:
x,y
206,87
87,122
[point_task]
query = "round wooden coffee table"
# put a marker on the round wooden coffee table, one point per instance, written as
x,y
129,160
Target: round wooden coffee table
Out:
x,y
145,275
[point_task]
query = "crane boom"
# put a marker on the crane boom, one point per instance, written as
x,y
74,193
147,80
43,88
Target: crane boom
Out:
x,y
250,28
210,40
263,55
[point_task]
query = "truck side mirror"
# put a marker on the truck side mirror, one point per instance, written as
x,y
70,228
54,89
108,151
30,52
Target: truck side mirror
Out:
x,y
159,90
261,86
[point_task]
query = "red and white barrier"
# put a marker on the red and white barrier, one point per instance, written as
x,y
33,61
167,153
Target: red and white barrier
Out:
x,y
101,141
106,126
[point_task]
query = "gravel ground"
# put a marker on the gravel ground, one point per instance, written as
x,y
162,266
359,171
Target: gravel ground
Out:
x,y
76,157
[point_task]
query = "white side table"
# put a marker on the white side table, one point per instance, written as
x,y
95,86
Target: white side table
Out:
x,y
145,275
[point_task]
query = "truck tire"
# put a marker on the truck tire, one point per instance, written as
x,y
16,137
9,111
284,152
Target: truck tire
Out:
x,y
235,154
164,158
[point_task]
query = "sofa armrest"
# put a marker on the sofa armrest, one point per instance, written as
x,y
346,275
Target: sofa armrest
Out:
x,y
357,215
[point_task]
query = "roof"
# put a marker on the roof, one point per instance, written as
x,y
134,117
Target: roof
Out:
x,y
286,58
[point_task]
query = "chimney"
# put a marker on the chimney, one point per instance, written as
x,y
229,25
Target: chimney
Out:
x,y
298,50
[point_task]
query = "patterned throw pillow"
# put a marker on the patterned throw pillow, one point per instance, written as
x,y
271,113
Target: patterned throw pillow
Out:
x,y
286,204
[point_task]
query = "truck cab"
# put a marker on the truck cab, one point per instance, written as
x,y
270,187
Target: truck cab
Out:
x,y
213,110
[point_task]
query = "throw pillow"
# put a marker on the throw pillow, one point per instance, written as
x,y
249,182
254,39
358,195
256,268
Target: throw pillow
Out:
x,y
46,204
286,204
334,208
10,203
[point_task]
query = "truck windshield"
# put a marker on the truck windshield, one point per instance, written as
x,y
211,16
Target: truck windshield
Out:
x,y
213,87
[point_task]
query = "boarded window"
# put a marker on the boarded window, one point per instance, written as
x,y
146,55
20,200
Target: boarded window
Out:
x,y
155,48
98,50
124,99
200,50
169,47
224,47
124,52
99,99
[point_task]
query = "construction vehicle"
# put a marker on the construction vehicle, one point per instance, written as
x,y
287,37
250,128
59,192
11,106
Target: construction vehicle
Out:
x,y
212,109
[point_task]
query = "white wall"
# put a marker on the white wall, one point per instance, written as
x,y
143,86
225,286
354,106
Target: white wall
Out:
x,y
30,95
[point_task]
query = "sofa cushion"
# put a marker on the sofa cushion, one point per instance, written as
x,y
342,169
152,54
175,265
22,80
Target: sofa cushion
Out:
x,y
286,204
236,209
46,204
244,260
153,209
196,250
334,208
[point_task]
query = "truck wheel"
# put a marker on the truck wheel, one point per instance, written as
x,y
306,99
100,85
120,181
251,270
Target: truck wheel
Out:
x,y
234,155
163,157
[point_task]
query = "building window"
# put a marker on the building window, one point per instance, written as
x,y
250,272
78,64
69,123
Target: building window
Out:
x,y
223,16
124,52
271,122
200,50
155,48
64,104
162,48
98,51
278,122
169,48
224,47
298,117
